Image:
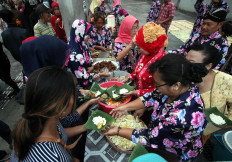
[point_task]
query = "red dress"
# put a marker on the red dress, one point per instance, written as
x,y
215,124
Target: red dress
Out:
x,y
60,32
144,80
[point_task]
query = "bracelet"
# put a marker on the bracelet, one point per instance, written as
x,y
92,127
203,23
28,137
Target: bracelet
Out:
x,y
119,128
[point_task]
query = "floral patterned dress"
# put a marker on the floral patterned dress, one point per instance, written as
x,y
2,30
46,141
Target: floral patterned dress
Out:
x,y
80,59
202,9
98,39
154,11
177,126
126,64
116,13
214,39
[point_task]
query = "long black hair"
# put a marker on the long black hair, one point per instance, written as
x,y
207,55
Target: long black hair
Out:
x,y
47,94
175,68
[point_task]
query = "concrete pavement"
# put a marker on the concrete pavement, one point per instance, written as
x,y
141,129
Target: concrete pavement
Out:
x,y
12,111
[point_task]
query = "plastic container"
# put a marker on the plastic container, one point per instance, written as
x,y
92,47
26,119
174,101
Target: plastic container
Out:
x,y
107,108
220,150
110,21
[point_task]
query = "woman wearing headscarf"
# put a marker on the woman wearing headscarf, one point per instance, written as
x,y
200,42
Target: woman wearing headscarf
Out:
x,y
57,22
41,52
80,61
124,51
96,5
151,38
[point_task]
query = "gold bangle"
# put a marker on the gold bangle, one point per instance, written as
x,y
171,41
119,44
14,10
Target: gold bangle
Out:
x,y
119,128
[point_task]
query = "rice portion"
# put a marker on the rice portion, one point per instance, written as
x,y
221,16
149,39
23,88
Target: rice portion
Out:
x,y
217,119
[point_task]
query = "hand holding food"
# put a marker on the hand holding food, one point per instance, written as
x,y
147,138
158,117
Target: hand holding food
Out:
x,y
94,100
84,92
57,21
139,113
110,131
103,49
104,74
131,93
118,112
90,69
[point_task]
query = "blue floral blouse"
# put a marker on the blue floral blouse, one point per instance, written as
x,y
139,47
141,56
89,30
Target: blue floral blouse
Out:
x,y
214,39
154,11
116,13
125,64
177,126
98,39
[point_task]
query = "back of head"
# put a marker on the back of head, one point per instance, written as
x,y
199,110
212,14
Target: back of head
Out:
x,y
211,54
43,51
7,15
175,68
47,95
227,28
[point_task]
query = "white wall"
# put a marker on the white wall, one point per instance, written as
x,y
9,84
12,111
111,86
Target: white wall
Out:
x,y
72,10
188,5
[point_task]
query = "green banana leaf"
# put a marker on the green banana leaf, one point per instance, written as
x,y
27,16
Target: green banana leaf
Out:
x,y
90,125
138,151
215,111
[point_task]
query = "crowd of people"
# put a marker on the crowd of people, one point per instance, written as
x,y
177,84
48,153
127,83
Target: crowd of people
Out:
x,y
179,85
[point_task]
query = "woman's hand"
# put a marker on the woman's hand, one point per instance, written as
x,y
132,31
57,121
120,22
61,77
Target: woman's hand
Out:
x,y
119,111
84,92
94,100
132,44
139,113
131,93
90,69
126,79
104,74
103,49
57,21
110,131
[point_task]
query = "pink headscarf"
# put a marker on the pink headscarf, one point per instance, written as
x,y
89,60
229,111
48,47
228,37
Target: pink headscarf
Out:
x,y
124,34
116,2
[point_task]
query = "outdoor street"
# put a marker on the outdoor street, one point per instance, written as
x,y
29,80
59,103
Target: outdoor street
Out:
x,y
10,110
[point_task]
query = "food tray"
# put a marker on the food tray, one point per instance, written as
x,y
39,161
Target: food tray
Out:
x,y
119,149
116,64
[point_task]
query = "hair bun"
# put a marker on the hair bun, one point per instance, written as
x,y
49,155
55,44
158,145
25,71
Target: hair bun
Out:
x,y
198,72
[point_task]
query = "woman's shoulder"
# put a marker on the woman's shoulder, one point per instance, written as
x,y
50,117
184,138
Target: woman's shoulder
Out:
x,y
223,78
47,151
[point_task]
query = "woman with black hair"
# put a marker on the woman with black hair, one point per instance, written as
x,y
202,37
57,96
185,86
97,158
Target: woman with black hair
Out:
x,y
100,36
178,113
216,87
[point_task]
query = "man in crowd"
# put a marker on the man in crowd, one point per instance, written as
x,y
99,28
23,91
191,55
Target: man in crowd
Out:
x,y
212,22
203,9
14,35
43,27
167,13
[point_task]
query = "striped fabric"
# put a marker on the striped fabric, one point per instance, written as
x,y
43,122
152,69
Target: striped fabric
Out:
x,y
43,29
46,151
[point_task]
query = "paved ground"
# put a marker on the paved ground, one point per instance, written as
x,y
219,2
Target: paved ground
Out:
x,y
12,111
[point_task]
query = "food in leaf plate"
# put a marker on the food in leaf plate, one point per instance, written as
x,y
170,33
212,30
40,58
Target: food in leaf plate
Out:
x,y
98,120
218,119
